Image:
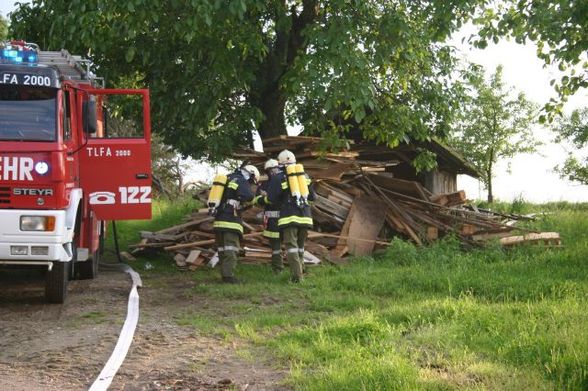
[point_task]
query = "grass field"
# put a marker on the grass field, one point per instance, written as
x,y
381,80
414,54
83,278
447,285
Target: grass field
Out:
x,y
412,318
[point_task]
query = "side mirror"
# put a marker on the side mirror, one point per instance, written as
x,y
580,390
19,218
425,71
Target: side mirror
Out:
x,y
89,120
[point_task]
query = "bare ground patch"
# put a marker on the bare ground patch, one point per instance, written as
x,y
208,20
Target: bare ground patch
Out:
x,y
63,347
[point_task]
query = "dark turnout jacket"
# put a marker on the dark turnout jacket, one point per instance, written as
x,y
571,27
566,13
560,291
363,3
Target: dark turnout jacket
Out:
x,y
237,192
291,214
271,212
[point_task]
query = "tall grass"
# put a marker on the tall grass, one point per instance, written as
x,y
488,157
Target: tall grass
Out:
x,y
419,318
165,213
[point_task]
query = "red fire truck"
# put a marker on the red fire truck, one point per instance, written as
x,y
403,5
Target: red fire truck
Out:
x,y
69,162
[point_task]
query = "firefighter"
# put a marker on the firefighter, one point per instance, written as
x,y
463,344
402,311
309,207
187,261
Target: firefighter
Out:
x,y
228,226
270,216
284,190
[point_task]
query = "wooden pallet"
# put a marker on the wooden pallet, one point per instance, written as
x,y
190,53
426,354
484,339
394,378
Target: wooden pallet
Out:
x,y
546,239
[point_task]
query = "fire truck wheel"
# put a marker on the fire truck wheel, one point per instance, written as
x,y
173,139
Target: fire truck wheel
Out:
x,y
56,283
88,269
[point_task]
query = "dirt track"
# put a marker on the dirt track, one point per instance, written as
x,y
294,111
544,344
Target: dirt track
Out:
x,y
63,347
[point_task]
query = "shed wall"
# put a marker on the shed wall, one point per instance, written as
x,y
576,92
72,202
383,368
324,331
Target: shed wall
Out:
x,y
440,181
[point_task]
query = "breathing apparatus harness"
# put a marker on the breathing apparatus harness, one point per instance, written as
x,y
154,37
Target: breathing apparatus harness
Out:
x,y
220,183
298,184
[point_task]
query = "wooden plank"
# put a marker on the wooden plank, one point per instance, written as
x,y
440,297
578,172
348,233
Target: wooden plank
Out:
x,y
343,197
394,222
333,172
440,199
151,245
206,227
330,206
316,248
205,242
541,237
257,254
449,199
198,262
339,201
491,235
323,217
185,225
432,233
340,192
373,169
365,224
139,248
404,219
248,226
387,181
341,247
193,257
161,237
314,234
468,229
127,257
317,154
203,234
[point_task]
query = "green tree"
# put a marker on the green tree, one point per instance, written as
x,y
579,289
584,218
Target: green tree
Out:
x,y
494,124
3,28
574,128
559,27
219,70
169,169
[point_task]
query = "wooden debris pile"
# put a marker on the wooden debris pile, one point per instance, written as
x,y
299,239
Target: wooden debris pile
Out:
x,y
360,205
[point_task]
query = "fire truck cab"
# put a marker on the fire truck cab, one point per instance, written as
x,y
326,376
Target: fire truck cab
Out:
x,y
73,155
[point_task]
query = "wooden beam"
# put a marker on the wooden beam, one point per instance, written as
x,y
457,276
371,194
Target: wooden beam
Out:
x,y
314,234
206,242
185,225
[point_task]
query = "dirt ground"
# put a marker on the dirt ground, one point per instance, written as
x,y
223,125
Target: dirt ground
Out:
x,y
64,347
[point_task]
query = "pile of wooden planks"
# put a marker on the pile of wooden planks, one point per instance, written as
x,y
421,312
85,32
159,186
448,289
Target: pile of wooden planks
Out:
x,y
360,205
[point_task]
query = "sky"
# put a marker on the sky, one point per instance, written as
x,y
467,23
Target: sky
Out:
x,y
7,5
531,176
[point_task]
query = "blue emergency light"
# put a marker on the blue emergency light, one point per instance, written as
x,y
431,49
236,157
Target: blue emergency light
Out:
x,y
18,55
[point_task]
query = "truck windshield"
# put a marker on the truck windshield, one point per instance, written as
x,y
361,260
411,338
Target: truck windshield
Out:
x,y
27,113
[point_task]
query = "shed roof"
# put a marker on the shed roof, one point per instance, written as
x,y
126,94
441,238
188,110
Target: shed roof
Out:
x,y
360,150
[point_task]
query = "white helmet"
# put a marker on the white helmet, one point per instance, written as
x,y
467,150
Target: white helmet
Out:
x,y
252,170
286,157
271,163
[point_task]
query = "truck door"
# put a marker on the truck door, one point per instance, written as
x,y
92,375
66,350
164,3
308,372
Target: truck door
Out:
x,y
115,159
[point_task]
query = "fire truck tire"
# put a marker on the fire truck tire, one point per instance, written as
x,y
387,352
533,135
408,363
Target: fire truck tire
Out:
x,y
56,283
88,270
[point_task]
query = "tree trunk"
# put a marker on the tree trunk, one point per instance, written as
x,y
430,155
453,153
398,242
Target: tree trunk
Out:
x,y
273,105
267,93
489,175
489,182
490,195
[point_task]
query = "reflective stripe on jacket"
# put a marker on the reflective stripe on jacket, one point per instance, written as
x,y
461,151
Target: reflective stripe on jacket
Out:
x,y
228,217
290,213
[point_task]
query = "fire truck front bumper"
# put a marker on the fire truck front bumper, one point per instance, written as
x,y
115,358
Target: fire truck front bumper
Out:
x,y
19,246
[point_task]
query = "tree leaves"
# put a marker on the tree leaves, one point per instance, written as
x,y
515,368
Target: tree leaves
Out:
x,y
574,128
218,70
559,28
494,124
3,28
130,54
